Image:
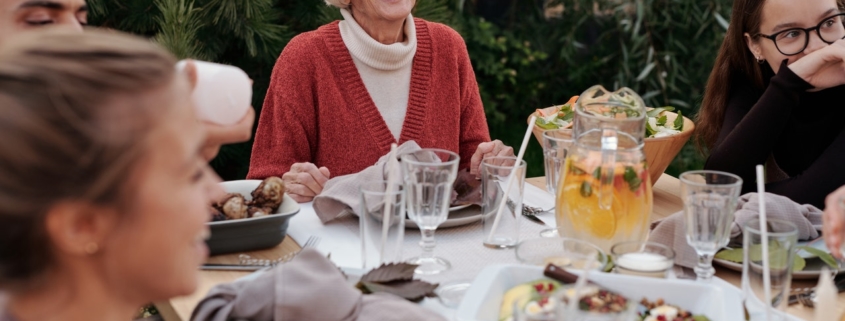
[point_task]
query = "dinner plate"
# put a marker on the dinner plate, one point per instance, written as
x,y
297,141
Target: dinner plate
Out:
x,y
811,271
458,216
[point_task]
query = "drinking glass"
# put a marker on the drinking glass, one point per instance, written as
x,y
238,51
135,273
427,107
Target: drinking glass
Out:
x,y
501,227
782,236
646,259
709,205
556,145
382,228
429,175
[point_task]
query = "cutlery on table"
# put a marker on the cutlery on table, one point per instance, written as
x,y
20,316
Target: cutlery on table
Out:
x,y
531,214
248,263
807,296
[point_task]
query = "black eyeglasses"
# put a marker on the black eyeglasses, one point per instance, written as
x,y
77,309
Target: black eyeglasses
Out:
x,y
793,41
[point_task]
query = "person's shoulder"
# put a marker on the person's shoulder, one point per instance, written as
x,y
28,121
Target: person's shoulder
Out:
x,y
309,43
441,33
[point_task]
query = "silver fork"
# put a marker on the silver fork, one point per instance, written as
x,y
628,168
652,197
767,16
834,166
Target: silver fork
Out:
x,y
312,241
807,299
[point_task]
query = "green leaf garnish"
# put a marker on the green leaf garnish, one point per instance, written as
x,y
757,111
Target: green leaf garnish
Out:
x,y
824,256
679,121
586,189
540,122
661,121
575,170
597,173
656,111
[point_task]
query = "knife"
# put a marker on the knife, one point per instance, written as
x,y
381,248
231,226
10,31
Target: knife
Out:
x,y
840,287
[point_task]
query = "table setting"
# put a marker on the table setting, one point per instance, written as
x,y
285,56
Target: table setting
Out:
x,y
598,217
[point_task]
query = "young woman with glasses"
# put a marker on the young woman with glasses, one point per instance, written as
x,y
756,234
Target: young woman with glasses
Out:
x,y
775,97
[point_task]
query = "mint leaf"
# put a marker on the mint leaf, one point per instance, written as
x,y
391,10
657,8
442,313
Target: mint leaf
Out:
x,y
824,256
661,121
597,173
540,122
656,111
679,121
586,189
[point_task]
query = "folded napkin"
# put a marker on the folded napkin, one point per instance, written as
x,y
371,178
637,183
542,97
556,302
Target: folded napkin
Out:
x,y
671,231
309,287
342,195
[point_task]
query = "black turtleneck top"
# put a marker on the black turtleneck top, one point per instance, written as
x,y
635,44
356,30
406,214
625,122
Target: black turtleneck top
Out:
x,y
801,130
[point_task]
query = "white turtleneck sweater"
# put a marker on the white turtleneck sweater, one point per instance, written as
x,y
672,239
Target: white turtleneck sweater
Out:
x,y
385,69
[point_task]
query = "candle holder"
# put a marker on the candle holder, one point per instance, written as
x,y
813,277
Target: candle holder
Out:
x,y
646,259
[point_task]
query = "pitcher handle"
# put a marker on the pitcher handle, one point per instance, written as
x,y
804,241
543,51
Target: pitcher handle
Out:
x,y
609,145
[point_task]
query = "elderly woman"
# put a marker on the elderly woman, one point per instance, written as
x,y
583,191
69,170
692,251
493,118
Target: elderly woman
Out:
x,y
18,16
342,94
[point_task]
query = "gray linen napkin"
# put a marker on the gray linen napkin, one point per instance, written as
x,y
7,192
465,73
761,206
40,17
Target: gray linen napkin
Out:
x,y
342,195
671,230
309,287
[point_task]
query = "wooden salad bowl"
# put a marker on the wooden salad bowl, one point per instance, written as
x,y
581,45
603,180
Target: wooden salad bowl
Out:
x,y
659,152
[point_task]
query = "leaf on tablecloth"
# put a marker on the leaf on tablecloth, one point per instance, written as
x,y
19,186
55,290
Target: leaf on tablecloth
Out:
x,y
390,272
397,279
414,290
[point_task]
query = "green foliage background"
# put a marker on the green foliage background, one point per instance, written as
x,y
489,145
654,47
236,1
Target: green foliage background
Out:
x,y
523,57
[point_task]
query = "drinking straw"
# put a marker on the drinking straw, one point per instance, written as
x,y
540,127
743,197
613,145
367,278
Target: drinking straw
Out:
x,y
388,200
764,235
511,175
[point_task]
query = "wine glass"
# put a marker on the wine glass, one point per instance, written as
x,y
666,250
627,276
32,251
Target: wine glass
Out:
x,y
429,175
709,204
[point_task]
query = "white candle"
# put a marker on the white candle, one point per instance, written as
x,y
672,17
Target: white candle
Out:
x,y
647,262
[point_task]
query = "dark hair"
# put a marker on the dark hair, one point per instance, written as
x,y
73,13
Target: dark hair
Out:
x,y
68,131
734,61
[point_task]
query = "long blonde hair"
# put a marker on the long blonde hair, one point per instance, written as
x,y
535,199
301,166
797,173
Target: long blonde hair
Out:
x,y
69,131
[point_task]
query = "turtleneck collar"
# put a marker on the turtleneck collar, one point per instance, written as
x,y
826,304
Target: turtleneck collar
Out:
x,y
373,53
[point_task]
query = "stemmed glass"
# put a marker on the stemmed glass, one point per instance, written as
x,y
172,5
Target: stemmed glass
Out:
x,y
429,175
709,204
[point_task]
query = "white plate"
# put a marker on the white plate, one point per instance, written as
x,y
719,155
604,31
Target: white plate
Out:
x,y
718,300
458,216
811,271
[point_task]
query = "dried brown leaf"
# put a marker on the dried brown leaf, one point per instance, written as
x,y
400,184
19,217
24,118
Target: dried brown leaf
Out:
x,y
390,272
414,290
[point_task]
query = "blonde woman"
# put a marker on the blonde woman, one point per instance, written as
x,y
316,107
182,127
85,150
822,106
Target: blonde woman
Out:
x,y
103,189
342,94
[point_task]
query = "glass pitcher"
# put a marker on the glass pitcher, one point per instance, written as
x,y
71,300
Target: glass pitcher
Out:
x,y
605,195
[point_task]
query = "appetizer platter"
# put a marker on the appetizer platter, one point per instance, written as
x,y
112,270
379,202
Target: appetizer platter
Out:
x,y
649,297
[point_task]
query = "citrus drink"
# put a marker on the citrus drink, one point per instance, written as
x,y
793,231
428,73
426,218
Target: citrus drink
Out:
x,y
582,215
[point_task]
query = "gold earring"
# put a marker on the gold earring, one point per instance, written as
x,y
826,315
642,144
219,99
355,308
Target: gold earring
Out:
x,y
91,248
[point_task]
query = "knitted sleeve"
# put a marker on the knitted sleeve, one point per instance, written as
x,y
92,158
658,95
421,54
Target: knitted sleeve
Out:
x,y
287,124
474,129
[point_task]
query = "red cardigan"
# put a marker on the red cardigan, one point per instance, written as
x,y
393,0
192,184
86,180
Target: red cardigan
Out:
x,y
318,110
